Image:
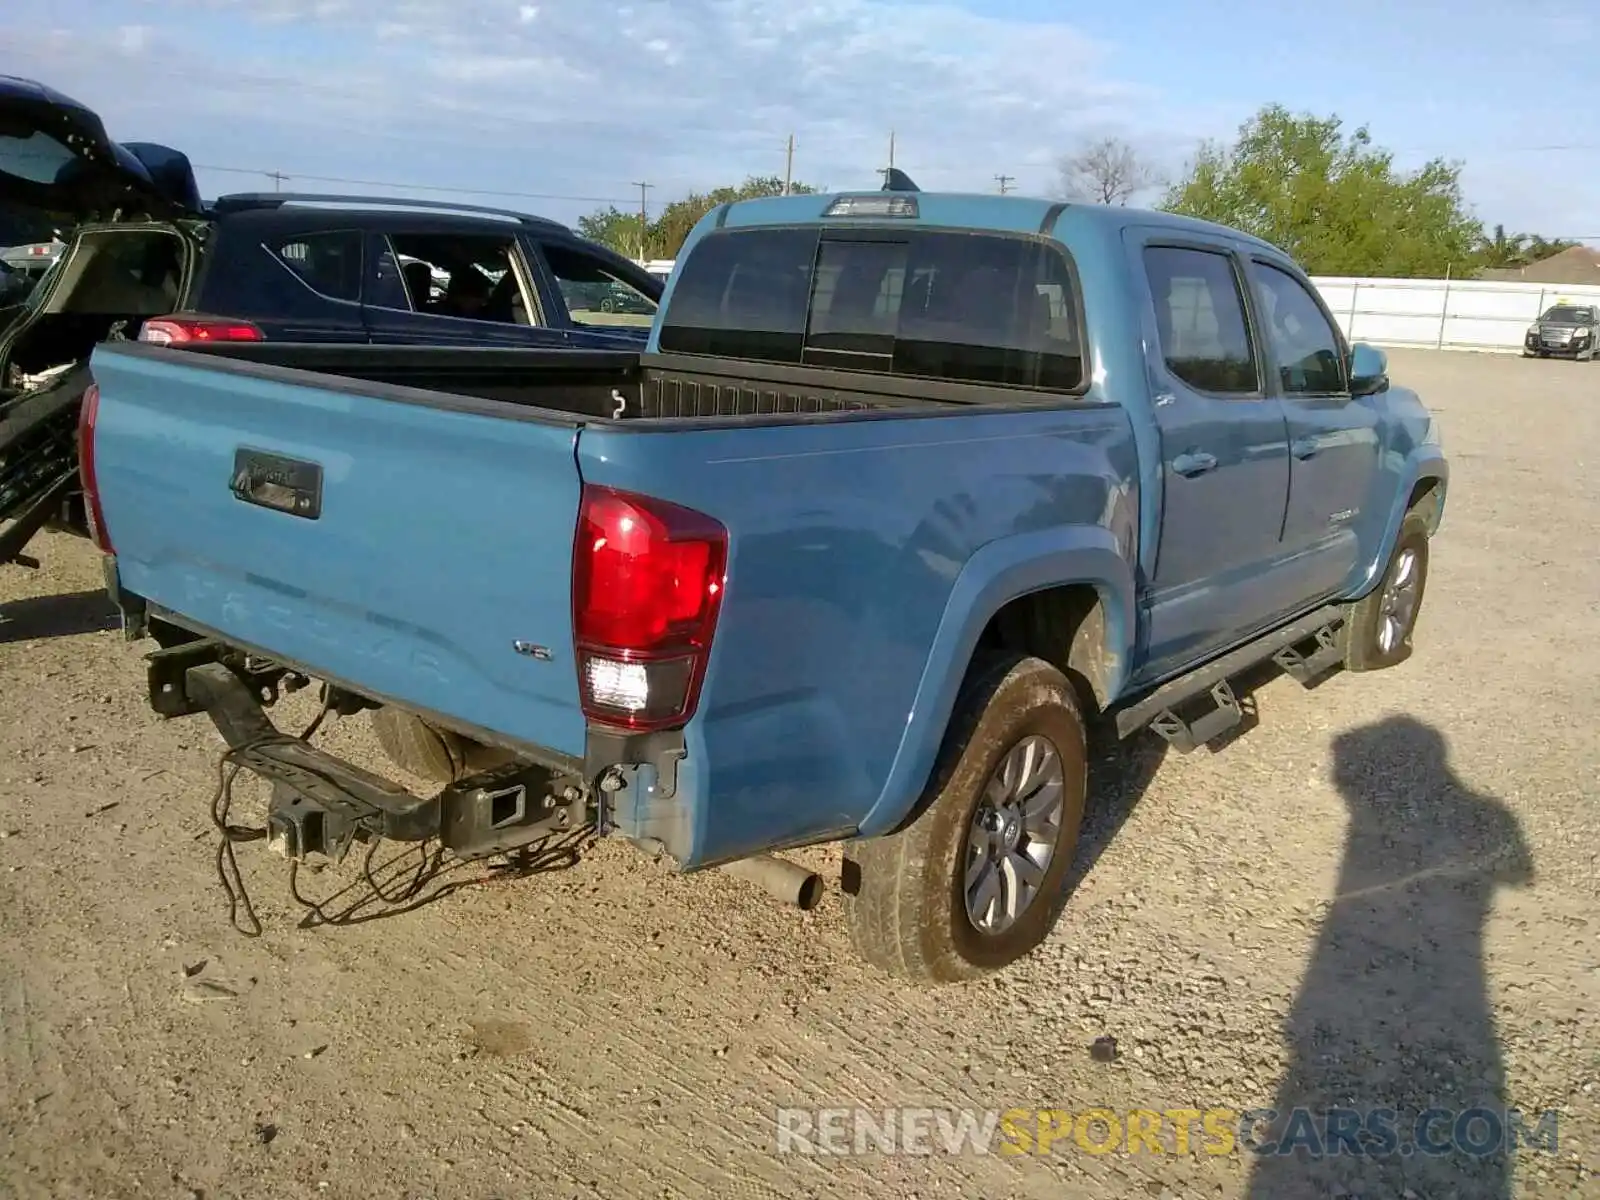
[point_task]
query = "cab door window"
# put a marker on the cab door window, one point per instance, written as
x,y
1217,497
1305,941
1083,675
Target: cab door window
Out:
x,y
1305,345
593,293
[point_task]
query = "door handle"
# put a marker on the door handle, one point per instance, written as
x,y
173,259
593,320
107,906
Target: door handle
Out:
x,y
1304,447
1195,462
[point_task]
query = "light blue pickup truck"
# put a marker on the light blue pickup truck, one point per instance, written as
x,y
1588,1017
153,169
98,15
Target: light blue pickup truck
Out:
x,y
908,493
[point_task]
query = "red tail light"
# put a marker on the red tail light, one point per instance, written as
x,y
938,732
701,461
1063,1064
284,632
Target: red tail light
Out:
x,y
647,580
88,415
174,331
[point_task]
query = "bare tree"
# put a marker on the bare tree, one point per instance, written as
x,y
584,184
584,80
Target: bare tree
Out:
x,y
1108,172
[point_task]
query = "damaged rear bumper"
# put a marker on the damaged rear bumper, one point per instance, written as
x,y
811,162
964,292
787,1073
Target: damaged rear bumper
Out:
x,y
322,804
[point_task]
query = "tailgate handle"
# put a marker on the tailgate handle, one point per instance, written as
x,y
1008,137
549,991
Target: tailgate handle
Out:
x,y
286,485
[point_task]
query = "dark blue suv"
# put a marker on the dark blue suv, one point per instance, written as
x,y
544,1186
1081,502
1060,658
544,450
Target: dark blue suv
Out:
x,y
320,269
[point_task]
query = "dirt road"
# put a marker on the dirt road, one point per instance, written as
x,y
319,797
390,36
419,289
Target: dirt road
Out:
x,y
1385,895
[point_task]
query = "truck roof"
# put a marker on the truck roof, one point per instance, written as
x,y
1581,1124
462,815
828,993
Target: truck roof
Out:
x,y
972,210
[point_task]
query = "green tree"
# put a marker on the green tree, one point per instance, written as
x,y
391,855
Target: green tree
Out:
x,y
1501,249
614,228
664,236
1335,202
1540,248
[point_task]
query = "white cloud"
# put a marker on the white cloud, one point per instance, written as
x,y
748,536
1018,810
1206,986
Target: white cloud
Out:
x,y
132,39
588,94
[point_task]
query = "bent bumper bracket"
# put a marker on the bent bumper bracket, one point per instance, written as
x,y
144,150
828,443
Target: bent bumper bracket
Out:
x,y
321,803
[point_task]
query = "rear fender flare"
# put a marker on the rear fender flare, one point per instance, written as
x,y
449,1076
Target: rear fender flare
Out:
x,y
997,574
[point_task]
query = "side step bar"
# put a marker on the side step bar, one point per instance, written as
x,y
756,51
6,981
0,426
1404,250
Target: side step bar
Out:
x,y
1306,650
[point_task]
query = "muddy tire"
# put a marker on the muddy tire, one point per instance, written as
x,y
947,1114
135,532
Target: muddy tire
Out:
x,y
425,750
977,879
1383,621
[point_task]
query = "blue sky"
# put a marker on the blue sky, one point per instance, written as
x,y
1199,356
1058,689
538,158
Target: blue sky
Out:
x,y
568,102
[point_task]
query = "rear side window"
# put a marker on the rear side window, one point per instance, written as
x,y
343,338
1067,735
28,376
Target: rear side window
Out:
x,y
963,307
1200,319
32,155
327,263
743,295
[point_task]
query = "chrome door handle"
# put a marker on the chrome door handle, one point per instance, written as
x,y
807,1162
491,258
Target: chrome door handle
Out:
x,y
1195,462
1304,447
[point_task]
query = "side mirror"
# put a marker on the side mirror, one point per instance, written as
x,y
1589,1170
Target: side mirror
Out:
x,y
1369,370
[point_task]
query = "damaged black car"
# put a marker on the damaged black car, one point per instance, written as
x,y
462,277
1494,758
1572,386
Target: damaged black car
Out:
x,y
125,260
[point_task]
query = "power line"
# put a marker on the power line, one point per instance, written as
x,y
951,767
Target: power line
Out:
x,y
1005,182
410,187
1495,150
788,167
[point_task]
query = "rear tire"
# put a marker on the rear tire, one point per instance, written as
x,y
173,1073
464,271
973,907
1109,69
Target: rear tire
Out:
x,y
1382,622
426,750
1014,756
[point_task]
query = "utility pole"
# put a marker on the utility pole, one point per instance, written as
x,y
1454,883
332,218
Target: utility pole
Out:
x,y
1005,182
788,167
278,178
644,216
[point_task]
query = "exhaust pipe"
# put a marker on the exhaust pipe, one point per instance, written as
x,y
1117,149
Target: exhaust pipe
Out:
x,y
786,881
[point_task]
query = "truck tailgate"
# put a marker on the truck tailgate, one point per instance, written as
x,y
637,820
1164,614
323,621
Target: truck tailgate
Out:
x,y
430,564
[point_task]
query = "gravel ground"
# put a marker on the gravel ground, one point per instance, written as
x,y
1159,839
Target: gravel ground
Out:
x,y
1384,895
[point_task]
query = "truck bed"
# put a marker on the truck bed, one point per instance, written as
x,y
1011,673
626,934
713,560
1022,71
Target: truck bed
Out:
x,y
554,384
585,384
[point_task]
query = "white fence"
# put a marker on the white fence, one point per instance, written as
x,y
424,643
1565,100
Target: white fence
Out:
x,y
1444,314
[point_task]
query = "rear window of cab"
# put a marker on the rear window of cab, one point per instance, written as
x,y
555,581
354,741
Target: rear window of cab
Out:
x,y
981,308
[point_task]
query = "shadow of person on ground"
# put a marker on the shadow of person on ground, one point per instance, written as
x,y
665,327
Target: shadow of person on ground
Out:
x,y
56,616
1394,1011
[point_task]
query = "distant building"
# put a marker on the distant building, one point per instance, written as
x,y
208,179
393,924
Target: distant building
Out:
x,y
1578,264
